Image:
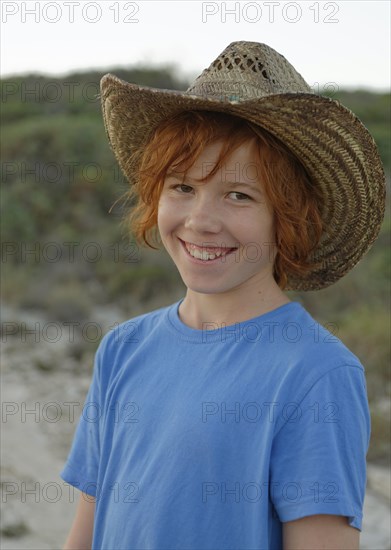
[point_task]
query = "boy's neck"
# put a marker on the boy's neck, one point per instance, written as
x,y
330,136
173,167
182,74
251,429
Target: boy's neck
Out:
x,y
212,311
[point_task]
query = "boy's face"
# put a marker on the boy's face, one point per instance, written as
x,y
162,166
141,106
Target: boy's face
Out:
x,y
219,233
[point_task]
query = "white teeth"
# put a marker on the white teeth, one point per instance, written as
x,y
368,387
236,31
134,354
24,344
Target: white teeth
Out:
x,y
203,254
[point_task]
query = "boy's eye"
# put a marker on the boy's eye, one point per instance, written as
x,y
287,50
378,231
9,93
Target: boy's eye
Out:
x,y
239,196
182,188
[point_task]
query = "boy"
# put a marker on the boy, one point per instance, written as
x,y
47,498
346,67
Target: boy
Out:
x,y
232,419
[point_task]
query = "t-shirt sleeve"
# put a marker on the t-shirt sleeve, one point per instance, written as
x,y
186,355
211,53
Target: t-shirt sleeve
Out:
x,y
81,467
318,459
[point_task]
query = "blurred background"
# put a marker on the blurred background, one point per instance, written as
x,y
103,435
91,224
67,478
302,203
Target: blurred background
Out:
x,y
70,270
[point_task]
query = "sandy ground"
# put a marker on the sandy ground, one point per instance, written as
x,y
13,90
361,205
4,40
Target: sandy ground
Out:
x,y
37,427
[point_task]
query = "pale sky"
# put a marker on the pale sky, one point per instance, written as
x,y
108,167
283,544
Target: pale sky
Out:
x,y
344,42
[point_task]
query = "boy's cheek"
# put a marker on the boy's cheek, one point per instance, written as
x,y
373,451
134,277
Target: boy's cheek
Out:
x,y
161,215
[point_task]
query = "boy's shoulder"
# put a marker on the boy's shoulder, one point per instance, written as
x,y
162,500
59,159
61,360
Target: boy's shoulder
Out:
x,y
132,329
310,350
318,338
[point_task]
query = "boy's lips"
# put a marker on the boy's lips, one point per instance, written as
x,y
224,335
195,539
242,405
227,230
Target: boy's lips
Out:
x,y
205,252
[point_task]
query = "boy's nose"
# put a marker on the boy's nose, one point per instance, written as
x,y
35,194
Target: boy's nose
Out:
x,y
203,217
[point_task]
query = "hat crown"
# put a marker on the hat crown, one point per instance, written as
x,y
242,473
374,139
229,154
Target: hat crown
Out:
x,y
248,70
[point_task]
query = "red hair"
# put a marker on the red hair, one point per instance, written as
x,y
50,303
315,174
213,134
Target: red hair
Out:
x,y
177,142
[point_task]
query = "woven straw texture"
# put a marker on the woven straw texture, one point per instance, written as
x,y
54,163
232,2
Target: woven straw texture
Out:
x,y
254,82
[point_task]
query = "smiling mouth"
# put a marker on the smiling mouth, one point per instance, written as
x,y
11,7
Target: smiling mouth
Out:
x,y
206,253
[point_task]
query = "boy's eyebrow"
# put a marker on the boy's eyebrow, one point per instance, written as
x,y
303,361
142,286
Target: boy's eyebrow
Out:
x,y
181,177
253,186
177,175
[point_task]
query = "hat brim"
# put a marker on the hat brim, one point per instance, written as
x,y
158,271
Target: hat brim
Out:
x,y
338,153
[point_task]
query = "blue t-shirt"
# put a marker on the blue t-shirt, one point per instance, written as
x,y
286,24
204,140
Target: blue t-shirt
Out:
x,y
210,439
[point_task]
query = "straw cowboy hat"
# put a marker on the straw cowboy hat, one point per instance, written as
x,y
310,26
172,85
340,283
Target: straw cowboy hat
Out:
x,y
254,82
